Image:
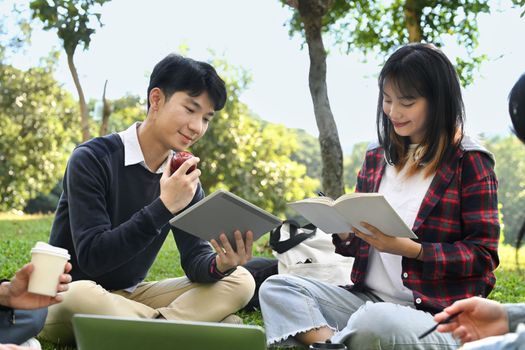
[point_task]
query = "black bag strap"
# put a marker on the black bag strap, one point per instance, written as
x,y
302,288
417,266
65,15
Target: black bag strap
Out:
x,y
280,247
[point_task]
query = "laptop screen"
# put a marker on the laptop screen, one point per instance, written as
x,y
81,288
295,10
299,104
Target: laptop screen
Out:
x,y
93,332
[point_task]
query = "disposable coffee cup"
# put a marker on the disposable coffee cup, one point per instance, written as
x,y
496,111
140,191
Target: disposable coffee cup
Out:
x,y
324,346
49,263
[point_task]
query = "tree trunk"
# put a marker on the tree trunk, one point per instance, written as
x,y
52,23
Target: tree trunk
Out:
x,y
105,113
412,11
312,12
84,117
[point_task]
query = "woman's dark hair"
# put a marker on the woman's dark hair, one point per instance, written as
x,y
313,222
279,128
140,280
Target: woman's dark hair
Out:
x,y
422,70
517,115
176,73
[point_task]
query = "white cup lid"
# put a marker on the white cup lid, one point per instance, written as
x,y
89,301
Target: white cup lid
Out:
x,y
41,247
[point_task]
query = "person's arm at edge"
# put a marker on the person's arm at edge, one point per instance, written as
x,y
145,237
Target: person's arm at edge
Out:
x,y
516,315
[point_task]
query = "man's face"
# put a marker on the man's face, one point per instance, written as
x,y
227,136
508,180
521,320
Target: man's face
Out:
x,y
182,119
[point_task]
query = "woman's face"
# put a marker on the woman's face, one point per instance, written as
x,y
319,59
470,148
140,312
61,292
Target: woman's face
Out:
x,y
408,114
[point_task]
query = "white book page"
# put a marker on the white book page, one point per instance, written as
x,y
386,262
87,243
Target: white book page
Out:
x,y
321,215
376,211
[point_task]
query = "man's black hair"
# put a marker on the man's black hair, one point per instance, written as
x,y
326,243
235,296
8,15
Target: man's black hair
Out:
x,y
517,115
517,108
177,73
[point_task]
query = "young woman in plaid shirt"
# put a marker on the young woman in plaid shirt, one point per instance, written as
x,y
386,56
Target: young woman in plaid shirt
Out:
x,y
443,185
481,318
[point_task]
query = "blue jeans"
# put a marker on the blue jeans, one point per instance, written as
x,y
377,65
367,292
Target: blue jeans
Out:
x,y
27,325
294,304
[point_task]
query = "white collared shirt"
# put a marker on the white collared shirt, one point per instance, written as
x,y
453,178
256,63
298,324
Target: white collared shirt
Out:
x,y
132,151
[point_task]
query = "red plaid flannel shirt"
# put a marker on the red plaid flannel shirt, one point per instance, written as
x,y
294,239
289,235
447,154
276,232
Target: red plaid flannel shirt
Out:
x,y
457,224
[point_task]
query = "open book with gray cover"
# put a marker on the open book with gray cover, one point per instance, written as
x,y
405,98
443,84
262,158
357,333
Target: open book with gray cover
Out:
x,y
338,216
224,212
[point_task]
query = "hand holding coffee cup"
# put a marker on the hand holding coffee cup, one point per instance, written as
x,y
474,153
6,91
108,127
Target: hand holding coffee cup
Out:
x,y
14,293
49,264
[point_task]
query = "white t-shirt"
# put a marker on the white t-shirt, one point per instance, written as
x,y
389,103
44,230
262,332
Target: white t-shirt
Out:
x,y
405,195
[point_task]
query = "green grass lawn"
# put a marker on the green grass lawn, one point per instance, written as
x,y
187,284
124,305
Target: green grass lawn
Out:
x,y
19,233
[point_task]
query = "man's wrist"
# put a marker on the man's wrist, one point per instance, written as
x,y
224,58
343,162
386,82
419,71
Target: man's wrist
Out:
x,y
215,271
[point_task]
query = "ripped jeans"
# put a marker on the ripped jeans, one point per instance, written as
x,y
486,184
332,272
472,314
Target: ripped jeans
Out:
x,y
294,304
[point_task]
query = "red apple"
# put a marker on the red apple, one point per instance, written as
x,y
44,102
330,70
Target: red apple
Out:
x,y
178,159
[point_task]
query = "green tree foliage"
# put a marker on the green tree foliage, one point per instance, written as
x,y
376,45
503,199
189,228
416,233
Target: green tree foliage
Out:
x,y
35,136
308,153
124,111
510,169
380,27
73,21
250,158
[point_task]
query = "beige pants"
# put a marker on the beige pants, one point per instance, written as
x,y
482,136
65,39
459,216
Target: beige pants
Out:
x,y
173,299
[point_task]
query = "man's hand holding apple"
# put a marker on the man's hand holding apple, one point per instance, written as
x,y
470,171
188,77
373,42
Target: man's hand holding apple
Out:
x,y
177,188
178,159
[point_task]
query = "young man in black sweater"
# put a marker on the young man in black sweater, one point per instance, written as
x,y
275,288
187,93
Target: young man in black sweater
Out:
x,y
119,195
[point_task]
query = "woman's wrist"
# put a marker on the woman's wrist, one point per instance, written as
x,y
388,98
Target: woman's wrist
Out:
x,y
415,251
419,255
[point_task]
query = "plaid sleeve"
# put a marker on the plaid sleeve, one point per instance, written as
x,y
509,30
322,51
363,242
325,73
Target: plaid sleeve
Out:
x,y
475,253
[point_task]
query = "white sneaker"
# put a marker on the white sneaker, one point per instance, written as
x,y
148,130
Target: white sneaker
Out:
x,y
32,343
